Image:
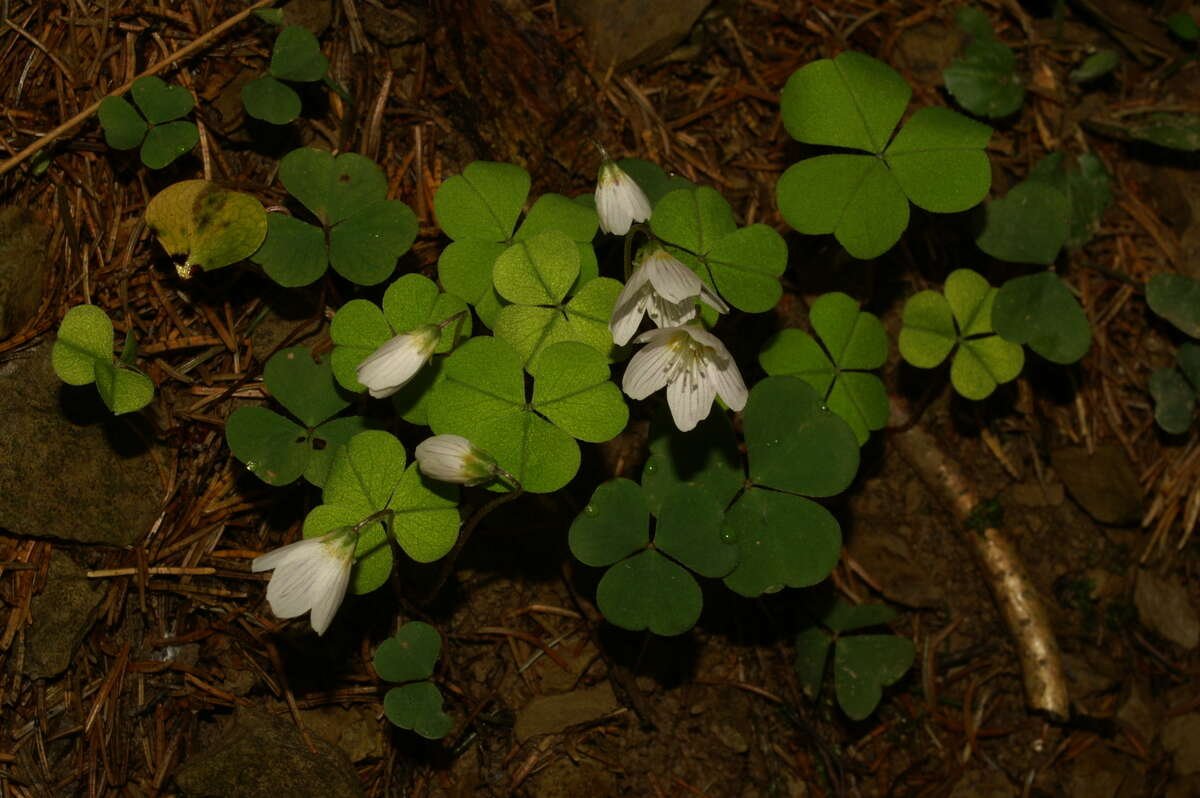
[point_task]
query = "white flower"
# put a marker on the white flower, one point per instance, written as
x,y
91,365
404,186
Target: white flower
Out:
x,y
620,201
452,458
310,574
693,365
664,288
388,368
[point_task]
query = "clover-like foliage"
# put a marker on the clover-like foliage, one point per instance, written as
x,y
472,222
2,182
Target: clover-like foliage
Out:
x,y
960,321
359,231
407,659
83,354
1053,207
742,264
207,225
277,449
862,664
936,161
984,80
850,343
482,397
1038,310
649,584
295,58
368,474
360,327
479,210
159,127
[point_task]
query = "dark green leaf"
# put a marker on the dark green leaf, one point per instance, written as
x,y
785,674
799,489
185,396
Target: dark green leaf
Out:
x,y
783,541
418,707
863,665
273,448
1028,225
304,386
812,651
1174,400
124,128
165,143
704,461
1177,299
297,56
409,655
270,100
160,102
689,529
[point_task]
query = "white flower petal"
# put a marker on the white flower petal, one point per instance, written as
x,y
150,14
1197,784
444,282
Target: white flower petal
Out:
x,y
670,314
670,278
690,401
648,370
628,311
394,363
452,458
310,574
728,383
710,298
620,201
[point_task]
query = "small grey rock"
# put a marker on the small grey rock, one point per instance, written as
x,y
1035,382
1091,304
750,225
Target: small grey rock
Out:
x,y
261,756
556,713
68,468
1104,483
62,614
626,33
1163,606
1181,739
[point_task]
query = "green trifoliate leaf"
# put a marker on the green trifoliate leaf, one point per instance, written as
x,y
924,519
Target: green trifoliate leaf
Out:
x,y
850,101
860,202
213,227
863,665
1028,225
935,324
573,389
794,443
689,530
1038,310
409,655
483,399
1177,299
854,342
270,100
704,461
123,390
483,203
427,517
297,56
537,270
160,102
531,329
418,706
613,525
85,337
939,162
1085,187
648,591
783,541
123,126
1174,400
273,448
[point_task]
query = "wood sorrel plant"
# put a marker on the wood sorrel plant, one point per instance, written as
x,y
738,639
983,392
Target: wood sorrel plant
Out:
x,y
509,356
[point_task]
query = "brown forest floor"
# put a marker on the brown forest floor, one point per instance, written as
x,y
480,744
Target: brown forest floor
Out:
x,y
717,712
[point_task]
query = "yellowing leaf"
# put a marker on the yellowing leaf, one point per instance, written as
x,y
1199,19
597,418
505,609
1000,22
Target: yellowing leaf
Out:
x,y
209,225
